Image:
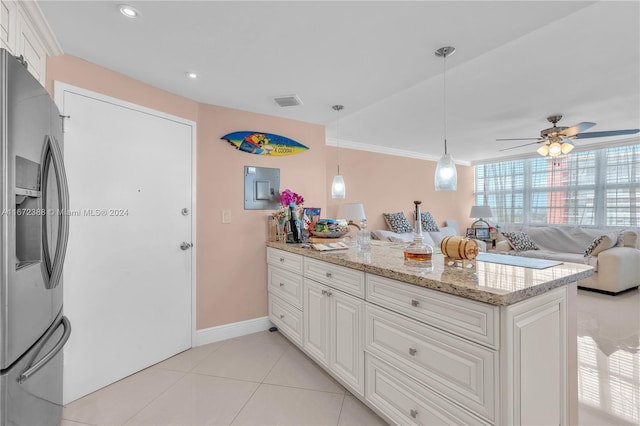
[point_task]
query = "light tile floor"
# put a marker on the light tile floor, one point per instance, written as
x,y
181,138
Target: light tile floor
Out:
x,y
258,379
262,379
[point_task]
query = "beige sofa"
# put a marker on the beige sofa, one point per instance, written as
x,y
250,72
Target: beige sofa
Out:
x,y
617,268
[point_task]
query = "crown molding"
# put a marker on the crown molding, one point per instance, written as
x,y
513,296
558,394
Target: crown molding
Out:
x,y
34,14
385,150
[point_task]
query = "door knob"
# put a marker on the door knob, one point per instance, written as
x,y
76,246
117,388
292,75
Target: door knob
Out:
x,y
185,245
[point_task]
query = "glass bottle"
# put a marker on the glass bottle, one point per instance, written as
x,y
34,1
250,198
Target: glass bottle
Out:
x,y
294,227
418,252
363,237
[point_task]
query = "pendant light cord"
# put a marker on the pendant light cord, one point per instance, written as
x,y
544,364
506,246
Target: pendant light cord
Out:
x,y
337,108
445,102
338,137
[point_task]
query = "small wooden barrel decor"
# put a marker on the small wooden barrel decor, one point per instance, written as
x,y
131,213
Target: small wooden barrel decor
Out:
x,y
459,251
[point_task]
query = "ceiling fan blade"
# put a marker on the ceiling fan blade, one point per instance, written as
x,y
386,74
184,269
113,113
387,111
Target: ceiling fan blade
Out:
x,y
513,147
606,133
578,128
521,139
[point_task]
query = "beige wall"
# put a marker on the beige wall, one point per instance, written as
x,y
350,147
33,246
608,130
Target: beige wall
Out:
x,y
231,270
389,184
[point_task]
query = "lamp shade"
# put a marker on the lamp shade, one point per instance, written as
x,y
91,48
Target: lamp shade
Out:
x,y
446,175
338,188
478,212
351,211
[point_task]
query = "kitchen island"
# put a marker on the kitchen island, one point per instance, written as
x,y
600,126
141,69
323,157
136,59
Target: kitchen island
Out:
x,y
439,344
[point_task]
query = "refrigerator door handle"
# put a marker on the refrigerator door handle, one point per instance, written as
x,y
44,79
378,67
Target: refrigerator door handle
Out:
x,y
53,155
32,369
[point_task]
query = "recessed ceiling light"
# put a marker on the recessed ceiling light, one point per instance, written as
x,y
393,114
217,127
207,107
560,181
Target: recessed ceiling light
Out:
x,y
192,75
128,11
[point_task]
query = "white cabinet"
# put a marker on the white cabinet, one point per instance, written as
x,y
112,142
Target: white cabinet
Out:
x,y
461,370
24,32
284,283
420,356
333,332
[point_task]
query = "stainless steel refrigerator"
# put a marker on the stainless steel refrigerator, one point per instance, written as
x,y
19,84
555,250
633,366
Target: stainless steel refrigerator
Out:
x,y
34,230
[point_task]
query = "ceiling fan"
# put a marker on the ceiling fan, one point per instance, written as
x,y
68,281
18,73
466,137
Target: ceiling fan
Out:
x,y
559,139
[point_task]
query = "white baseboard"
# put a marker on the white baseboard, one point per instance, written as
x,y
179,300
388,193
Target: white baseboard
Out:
x,y
228,331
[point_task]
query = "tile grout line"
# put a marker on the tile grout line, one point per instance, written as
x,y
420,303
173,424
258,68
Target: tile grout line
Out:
x,y
344,397
260,384
158,396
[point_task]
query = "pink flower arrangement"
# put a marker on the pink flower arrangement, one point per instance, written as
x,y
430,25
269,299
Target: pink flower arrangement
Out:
x,y
287,197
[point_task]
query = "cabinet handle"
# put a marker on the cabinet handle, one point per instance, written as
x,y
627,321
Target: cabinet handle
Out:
x,y
281,316
281,284
326,293
282,259
412,351
414,413
414,302
328,274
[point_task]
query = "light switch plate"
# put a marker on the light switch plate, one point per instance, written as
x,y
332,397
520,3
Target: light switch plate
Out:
x,y
226,216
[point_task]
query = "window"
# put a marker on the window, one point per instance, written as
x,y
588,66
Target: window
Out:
x,y
589,188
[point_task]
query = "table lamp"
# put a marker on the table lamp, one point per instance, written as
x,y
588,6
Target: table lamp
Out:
x,y
479,212
352,212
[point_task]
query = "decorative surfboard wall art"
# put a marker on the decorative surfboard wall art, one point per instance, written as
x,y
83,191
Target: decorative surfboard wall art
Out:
x,y
261,143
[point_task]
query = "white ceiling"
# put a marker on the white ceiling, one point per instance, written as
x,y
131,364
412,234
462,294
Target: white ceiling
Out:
x,y
516,63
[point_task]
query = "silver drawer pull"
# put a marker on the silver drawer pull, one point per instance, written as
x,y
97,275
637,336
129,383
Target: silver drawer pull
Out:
x,y
412,351
328,274
414,413
282,259
281,284
414,302
326,293
281,316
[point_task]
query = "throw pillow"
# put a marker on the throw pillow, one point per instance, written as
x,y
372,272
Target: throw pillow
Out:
x,y
520,241
397,222
429,223
599,244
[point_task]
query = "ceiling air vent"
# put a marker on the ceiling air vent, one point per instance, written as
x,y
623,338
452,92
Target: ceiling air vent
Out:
x,y
288,100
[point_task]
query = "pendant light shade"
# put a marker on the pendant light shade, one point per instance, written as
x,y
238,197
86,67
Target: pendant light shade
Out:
x,y
446,177
338,188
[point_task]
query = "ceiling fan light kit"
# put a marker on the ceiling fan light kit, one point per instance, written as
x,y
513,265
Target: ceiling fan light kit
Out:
x,y
559,139
446,177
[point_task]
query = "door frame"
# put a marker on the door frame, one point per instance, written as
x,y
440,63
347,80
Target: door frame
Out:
x,y
61,88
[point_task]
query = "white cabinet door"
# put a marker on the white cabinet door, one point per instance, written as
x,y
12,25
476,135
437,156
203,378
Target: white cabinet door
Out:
x,y
535,361
316,321
333,332
8,19
346,338
31,48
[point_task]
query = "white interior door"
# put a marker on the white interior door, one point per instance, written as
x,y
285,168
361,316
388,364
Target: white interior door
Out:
x,y
127,282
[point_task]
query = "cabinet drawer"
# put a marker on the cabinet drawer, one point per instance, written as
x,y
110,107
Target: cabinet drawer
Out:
x,y
473,320
460,370
407,402
286,285
287,318
345,279
284,259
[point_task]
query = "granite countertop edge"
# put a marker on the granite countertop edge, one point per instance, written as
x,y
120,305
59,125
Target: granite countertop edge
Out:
x,y
465,291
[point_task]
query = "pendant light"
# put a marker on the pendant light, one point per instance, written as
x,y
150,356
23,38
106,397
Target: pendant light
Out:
x,y
338,188
446,177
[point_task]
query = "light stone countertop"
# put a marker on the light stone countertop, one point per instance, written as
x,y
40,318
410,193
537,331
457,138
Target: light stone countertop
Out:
x,y
491,283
